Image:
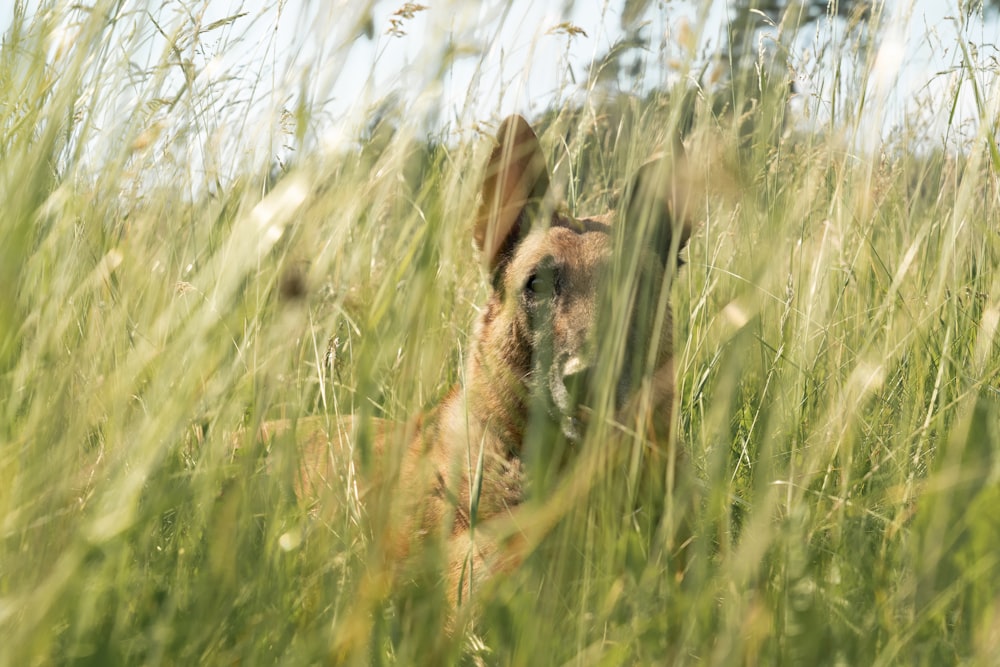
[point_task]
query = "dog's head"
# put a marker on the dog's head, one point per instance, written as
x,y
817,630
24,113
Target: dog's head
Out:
x,y
578,305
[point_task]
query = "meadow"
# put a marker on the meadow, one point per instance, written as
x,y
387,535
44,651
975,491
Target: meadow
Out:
x,y
838,379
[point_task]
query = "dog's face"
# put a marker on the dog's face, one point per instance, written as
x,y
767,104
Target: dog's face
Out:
x,y
578,305
550,287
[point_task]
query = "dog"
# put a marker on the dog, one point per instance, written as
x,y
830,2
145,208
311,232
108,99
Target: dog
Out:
x,y
546,350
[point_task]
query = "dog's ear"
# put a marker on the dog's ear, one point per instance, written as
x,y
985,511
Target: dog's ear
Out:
x,y
516,179
658,205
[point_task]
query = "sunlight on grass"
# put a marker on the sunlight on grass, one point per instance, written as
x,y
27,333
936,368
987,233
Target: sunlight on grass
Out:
x,y
170,284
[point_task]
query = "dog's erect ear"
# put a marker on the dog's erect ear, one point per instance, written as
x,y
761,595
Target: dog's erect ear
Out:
x,y
659,205
516,178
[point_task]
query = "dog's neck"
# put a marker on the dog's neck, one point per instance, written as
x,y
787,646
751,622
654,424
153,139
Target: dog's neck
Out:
x,y
488,413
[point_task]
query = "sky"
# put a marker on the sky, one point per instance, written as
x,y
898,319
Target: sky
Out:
x,y
464,65
514,58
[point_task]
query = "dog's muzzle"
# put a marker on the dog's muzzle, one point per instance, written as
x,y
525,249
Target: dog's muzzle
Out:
x,y
569,387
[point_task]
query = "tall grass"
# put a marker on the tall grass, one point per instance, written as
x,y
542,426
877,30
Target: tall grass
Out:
x,y
838,384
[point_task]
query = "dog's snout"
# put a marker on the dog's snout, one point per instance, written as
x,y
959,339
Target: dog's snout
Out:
x,y
576,377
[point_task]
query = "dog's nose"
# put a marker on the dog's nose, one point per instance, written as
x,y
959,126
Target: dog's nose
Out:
x,y
576,378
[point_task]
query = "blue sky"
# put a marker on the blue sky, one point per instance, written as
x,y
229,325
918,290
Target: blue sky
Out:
x,y
504,57
515,61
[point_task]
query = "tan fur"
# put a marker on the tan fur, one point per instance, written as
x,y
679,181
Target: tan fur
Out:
x,y
539,333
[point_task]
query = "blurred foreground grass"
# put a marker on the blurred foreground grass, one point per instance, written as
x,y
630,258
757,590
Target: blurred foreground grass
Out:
x,y
838,390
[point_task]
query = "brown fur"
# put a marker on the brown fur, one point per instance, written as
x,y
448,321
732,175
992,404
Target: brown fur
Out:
x,y
537,337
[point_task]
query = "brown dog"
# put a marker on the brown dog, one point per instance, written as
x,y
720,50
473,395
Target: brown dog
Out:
x,y
578,317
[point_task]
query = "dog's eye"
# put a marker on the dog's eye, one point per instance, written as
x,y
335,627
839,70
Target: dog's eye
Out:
x,y
538,284
543,282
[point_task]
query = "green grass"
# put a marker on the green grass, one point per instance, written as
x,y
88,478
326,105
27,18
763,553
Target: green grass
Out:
x,y
838,390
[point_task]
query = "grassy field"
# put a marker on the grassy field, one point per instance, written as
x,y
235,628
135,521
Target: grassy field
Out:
x,y
838,384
